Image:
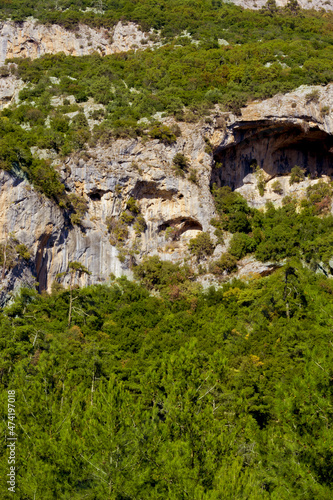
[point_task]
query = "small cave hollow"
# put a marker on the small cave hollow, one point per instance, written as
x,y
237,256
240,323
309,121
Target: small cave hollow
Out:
x,y
180,225
150,190
96,195
275,148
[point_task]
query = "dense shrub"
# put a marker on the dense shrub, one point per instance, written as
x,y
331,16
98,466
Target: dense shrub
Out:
x,y
181,164
201,246
226,263
320,196
240,245
297,174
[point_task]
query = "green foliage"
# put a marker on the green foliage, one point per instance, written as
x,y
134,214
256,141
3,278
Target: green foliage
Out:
x,y
260,180
11,252
324,110
126,217
224,394
278,233
163,134
132,206
297,174
79,206
277,187
226,262
240,245
312,96
233,209
23,251
181,164
193,177
201,246
117,229
139,224
172,280
320,196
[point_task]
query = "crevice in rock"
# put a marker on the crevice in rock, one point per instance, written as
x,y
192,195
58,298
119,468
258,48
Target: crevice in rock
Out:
x,y
276,148
40,263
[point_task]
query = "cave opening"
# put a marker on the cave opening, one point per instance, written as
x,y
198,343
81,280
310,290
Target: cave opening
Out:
x,y
96,195
180,225
274,147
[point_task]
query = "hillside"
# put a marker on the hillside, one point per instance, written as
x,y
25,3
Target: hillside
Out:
x,y
166,249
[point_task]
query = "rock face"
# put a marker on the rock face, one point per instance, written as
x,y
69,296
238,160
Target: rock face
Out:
x,y
275,135
30,39
107,177
9,90
305,4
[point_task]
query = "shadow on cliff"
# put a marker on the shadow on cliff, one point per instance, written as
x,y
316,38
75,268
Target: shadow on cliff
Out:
x,y
274,147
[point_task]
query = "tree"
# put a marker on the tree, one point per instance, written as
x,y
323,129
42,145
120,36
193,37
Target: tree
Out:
x,y
271,6
297,174
75,269
201,246
293,6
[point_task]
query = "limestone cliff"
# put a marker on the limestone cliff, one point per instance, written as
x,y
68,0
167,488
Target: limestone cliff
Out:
x,y
31,39
275,135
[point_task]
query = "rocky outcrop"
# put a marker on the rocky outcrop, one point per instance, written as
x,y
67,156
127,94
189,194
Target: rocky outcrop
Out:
x,y
304,4
275,135
31,39
9,89
107,177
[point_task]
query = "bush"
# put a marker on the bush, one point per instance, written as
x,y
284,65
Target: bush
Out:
x,y
241,244
226,262
163,134
126,217
201,246
118,230
233,209
139,225
132,206
79,206
297,174
180,163
193,177
312,97
23,251
260,180
320,196
155,273
277,187
324,110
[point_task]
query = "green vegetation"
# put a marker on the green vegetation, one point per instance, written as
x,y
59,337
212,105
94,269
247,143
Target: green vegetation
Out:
x,y
201,246
145,397
274,50
279,233
226,263
297,174
277,187
118,226
160,390
181,165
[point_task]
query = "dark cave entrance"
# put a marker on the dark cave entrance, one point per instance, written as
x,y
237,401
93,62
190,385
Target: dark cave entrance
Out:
x,y
276,148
